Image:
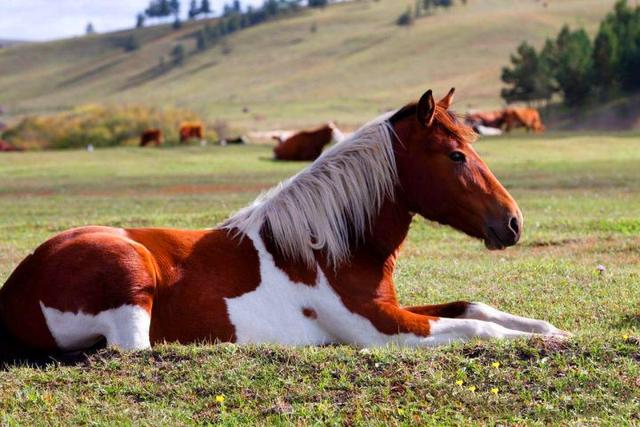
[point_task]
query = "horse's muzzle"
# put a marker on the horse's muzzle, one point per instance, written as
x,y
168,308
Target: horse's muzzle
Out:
x,y
502,233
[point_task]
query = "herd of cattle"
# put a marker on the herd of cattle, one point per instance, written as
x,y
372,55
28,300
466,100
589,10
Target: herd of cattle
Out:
x,y
307,145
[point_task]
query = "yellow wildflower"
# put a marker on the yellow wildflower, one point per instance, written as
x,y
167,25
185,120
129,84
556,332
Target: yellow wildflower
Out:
x,y
220,398
495,365
400,411
471,388
625,337
495,390
459,382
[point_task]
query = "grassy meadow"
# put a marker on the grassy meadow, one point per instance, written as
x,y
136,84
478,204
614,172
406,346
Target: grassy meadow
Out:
x,y
581,200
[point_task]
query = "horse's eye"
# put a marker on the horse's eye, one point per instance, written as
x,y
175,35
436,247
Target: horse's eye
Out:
x,y
457,156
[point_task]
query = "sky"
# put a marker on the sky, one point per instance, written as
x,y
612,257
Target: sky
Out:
x,y
52,19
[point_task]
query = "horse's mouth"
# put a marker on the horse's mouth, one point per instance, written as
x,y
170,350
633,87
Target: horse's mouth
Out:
x,y
492,241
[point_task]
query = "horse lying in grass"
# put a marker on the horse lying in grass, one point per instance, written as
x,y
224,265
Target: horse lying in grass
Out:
x,y
310,262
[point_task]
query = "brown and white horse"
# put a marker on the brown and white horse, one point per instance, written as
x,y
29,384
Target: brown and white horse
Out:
x,y
309,262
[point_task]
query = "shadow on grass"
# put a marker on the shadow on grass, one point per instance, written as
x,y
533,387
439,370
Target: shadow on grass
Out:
x,y
12,356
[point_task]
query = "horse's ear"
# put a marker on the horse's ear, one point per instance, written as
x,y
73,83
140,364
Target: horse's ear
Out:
x,y
447,100
426,109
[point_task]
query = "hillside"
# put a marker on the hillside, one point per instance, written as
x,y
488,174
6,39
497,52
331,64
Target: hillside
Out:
x,y
355,65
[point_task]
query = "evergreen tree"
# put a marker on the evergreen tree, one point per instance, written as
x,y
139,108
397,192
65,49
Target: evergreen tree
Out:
x,y
178,54
201,40
174,8
318,3
605,57
205,7
573,65
405,19
89,29
193,9
140,20
527,76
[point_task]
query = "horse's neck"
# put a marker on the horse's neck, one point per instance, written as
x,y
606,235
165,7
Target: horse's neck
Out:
x,y
389,229
368,275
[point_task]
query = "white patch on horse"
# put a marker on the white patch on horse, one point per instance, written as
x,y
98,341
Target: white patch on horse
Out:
x,y
273,312
126,327
480,311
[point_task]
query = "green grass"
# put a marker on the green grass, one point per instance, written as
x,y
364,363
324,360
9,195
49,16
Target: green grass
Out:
x,y
357,64
581,199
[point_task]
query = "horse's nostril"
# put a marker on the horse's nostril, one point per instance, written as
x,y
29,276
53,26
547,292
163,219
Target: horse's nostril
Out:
x,y
514,224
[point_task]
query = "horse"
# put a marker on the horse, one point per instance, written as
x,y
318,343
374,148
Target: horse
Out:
x,y
528,118
151,136
306,145
310,262
190,130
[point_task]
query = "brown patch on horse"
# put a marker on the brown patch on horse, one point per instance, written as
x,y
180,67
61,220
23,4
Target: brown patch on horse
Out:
x,y
309,313
197,269
297,272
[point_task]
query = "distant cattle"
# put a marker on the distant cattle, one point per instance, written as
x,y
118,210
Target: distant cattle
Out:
x,y
151,136
306,145
528,118
5,146
490,119
237,140
492,123
191,130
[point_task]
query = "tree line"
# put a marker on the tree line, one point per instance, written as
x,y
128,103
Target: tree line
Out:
x,y
576,67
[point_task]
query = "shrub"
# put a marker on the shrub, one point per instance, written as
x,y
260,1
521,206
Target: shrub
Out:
x,y
101,126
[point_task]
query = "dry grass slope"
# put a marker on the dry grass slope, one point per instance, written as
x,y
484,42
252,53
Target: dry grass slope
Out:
x,y
356,64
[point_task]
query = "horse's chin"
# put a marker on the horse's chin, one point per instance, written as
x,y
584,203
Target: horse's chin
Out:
x,y
493,245
492,240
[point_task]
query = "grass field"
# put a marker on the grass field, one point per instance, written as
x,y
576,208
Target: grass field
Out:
x,y
581,199
355,65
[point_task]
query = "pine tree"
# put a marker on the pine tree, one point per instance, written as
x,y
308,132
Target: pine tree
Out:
x,y
89,29
528,78
573,67
177,54
605,57
140,20
205,7
193,9
174,8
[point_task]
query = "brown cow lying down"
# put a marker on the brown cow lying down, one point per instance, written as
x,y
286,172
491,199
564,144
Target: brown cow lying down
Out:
x,y
5,146
151,136
306,145
528,118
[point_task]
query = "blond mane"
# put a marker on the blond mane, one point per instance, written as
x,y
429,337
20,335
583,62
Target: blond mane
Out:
x,y
331,201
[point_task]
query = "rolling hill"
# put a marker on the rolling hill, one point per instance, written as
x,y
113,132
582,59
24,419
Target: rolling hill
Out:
x,y
356,64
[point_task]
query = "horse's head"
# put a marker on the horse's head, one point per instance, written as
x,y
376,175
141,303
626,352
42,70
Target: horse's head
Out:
x,y
443,179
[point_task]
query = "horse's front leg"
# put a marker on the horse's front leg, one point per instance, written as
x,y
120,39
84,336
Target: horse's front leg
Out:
x,y
404,327
486,313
